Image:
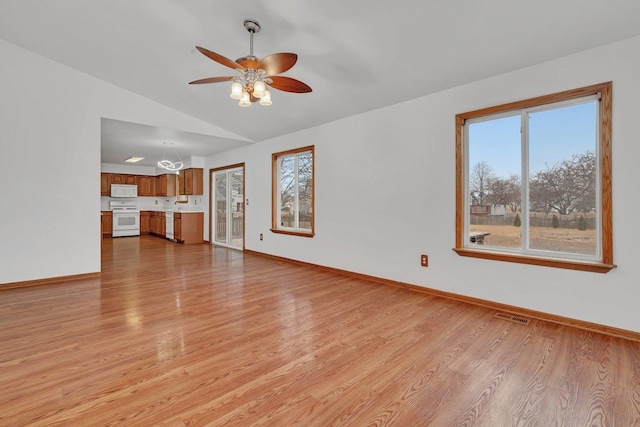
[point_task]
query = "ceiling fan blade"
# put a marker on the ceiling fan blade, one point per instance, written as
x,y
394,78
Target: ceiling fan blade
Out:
x,y
278,62
212,80
220,59
287,84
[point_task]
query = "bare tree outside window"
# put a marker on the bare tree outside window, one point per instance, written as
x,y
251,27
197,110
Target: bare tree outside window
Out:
x,y
305,190
287,191
506,192
566,187
481,179
293,181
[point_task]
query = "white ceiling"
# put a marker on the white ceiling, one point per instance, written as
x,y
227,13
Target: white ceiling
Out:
x,y
121,140
357,55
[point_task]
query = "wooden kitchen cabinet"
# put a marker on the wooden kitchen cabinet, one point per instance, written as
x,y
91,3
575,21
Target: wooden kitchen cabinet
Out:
x,y
154,223
146,185
145,222
107,223
188,227
157,224
160,186
117,178
177,226
165,185
190,182
149,186
105,184
162,224
122,178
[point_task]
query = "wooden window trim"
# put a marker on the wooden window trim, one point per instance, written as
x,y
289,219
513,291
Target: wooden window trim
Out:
x,y
606,216
292,233
274,192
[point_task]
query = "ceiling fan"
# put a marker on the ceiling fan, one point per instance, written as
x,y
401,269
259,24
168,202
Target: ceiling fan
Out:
x,y
256,73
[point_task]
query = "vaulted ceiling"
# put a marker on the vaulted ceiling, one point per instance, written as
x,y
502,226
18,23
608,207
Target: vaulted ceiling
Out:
x,y
356,55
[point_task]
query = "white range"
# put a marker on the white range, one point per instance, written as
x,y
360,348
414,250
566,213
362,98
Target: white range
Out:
x,y
126,218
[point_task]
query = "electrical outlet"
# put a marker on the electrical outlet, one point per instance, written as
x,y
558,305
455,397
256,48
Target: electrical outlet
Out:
x,y
260,236
424,260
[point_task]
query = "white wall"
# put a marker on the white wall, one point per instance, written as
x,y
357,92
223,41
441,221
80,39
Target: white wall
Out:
x,y
385,187
50,160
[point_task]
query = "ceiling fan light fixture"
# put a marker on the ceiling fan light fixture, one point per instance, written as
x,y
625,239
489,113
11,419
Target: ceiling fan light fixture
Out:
x,y
266,99
245,100
259,89
256,74
236,90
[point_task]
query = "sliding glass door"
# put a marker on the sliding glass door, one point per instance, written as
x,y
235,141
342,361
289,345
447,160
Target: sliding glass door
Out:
x,y
228,207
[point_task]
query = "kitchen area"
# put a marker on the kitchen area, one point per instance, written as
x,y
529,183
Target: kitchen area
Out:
x,y
167,206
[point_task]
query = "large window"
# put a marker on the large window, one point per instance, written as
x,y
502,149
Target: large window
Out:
x,y
534,181
293,192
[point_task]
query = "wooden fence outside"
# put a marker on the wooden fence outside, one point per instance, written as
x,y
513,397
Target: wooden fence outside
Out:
x,y
536,220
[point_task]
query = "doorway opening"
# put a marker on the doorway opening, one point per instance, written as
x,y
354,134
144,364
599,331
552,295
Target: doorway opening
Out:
x,y
227,206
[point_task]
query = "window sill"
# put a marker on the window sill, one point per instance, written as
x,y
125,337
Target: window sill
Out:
x,y
594,267
293,233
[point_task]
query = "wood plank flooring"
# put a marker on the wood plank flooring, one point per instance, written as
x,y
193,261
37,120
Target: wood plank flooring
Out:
x,y
175,335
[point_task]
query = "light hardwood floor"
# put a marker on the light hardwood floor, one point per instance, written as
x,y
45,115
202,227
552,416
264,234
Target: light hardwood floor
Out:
x,y
192,335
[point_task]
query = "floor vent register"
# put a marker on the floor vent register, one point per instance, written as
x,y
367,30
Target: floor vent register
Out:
x,y
513,318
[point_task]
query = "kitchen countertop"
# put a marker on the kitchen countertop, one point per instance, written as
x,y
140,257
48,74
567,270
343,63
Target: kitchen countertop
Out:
x,y
174,210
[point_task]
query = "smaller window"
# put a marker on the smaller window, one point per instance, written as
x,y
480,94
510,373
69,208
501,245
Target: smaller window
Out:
x,y
293,197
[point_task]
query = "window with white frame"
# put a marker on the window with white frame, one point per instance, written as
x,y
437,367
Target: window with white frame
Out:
x,y
293,198
534,181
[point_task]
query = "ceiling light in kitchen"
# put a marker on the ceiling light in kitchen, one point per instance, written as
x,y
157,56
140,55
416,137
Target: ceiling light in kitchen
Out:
x,y
133,159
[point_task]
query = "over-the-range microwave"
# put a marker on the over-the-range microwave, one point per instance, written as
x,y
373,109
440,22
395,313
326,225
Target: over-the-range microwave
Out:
x,y
124,190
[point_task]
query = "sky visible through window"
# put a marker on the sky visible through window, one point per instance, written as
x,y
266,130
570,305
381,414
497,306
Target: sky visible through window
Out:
x,y
555,135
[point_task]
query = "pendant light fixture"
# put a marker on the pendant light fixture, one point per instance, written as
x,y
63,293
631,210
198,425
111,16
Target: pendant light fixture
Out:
x,y
168,164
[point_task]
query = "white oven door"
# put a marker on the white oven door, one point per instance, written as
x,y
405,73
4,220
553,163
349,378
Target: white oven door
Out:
x,y
126,224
